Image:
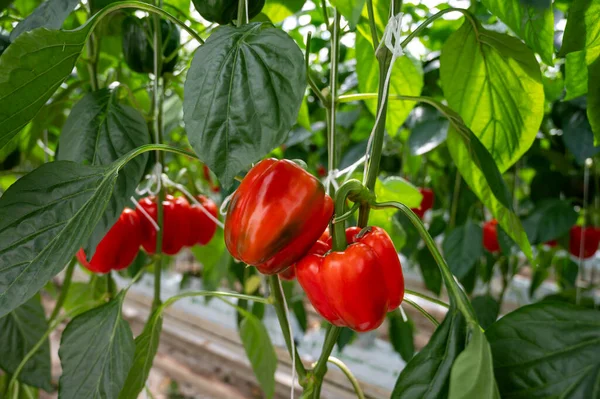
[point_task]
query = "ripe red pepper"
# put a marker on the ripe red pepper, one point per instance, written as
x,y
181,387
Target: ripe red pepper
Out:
x,y
176,224
119,246
426,202
584,241
490,236
275,216
202,228
355,287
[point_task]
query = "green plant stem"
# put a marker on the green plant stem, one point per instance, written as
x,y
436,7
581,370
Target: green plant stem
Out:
x,y
456,293
427,298
331,107
455,198
422,311
325,14
220,294
372,26
63,290
284,324
157,102
241,14
348,373
309,79
331,336
92,64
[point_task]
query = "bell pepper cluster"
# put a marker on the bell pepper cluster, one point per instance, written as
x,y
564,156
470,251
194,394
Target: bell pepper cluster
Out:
x,y
277,221
184,225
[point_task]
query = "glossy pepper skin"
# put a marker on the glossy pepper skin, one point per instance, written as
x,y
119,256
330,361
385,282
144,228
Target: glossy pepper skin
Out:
x,y
426,202
490,236
324,242
588,237
138,49
202,228
225,11
355,287
275,216
176,222
119,246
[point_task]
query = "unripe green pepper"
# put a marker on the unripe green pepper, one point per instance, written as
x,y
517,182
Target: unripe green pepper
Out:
x,y
225,11
138,48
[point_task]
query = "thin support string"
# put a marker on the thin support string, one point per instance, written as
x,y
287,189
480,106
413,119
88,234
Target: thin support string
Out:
x,y
292,343
403,314
154,184
330,180
146,214
169,182
391,40
586,182
225,204
246,6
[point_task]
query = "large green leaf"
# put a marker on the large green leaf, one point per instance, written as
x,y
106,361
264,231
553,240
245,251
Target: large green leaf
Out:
x,y
146,346
583,29
50,14
278,10
432,277
486,309
427,375
45,217
533,24
593,106
576,75
96,353
463,248
406,79
579,137
494,82
472,375
31,69
482,175
20,331
260,351
550,220
99,131
242,95
547,350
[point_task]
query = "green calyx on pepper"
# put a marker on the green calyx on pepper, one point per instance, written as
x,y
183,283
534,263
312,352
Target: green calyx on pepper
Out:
x,y
138,48
224,12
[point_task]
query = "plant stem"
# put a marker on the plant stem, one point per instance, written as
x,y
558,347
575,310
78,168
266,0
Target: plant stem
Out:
x,y
422,311
348,373
92,64
63,290
220,294
331,336
283,322
331,103
157,101
241,14
427,298
372,25
455,198
311,82
456,293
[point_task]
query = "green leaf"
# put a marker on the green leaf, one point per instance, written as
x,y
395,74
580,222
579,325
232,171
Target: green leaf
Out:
x,y
430,271
395,188
532,23
548,349
576,75
486,308
472,375
593,106
20,331
304,116
99,131
278,10
427,375
579,138
146,346
406,79
50,14
260,351
71,198
550,220
31,69
96,353
582,30
494,82
242,95
402,335
426,136
346,336
462,248
84,296
350,9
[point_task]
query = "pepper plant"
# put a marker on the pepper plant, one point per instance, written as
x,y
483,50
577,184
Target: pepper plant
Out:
x,y
121,122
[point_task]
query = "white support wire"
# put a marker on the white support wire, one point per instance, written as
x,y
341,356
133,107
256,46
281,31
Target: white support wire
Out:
x,y
141,209
391,40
